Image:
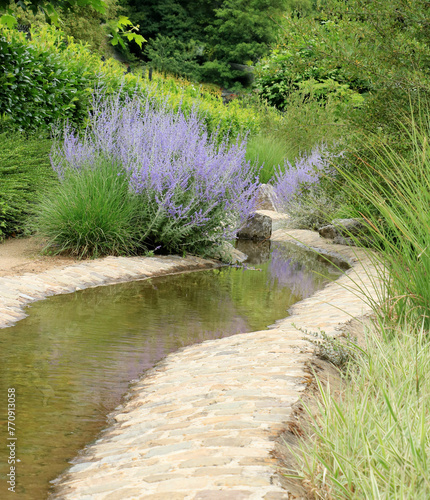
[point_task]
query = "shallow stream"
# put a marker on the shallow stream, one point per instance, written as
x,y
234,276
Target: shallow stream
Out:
x,y
72,359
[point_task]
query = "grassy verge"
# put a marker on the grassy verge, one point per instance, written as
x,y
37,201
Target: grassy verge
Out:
x,y
372,440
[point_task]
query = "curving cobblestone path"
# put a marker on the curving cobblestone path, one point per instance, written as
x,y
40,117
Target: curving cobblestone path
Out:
x,y
203,423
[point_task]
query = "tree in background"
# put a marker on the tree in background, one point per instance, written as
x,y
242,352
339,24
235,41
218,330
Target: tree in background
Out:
x,y
83,23
79,18
47,7
378,49
207,40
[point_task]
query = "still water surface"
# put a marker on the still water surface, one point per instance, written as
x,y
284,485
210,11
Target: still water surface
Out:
x,y
71,360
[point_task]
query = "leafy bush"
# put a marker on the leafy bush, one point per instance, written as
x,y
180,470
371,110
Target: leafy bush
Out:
x,y
84,23
66,73
25,174
300,62
185,192
37,88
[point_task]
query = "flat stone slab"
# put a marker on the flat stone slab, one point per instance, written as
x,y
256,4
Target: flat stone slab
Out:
x,y
203,423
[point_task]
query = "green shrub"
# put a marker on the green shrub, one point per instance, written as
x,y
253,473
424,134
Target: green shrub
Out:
x,y
90,213
85,24
300,62
38,88
52,77
25,174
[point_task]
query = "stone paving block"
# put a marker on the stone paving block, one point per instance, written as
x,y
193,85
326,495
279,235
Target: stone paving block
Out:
x,y
167,495
222,495
273,495
217,471
203,462
217,442
124,494
226,481
185,483
166,450
158,478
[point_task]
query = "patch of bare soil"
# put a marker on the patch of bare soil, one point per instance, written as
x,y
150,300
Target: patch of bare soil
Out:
x,y
24,255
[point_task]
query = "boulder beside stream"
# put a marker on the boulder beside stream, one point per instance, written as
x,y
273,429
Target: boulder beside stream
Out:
x,y
345,231
258,227
267,199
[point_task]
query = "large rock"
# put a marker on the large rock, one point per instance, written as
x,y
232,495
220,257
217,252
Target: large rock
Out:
x,y
345,231
258,227
267,199
228,254
328,231
348,227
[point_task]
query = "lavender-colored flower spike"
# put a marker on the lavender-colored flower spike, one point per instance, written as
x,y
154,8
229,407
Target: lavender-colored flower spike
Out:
x,y
307,171
191,187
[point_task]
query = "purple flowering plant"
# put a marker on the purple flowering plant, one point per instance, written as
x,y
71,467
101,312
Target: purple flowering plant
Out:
x,y
290,182
190,190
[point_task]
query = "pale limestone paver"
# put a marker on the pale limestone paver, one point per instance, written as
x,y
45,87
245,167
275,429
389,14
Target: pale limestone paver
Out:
x,y
202,424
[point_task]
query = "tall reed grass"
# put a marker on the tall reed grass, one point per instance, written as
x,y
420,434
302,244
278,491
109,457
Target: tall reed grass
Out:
x,y
392,194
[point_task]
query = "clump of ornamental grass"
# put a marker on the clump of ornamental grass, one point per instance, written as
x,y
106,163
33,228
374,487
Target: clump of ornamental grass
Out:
x,y
170,185
372,441
91,212
267,151
392,194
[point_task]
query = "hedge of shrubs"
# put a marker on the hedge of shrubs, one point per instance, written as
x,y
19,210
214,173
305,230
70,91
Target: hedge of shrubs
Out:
x,y
50,78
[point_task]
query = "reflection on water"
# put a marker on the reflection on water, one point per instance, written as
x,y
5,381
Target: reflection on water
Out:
x,y
71,360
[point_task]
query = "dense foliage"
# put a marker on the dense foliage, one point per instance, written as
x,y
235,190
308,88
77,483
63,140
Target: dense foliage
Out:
x,y
38,87
207,41
372,55
83,23
51,77
48,7
25,174
125,188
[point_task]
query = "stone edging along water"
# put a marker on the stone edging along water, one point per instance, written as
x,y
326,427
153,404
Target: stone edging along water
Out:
x,y
16,292
203,423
